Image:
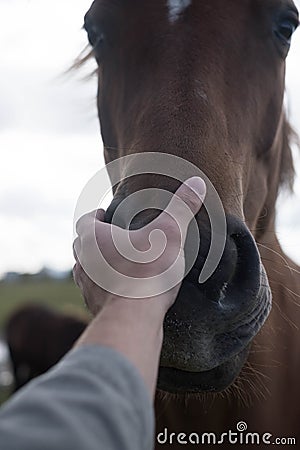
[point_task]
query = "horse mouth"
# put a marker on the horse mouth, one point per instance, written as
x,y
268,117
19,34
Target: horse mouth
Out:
x,y
176,381
206,351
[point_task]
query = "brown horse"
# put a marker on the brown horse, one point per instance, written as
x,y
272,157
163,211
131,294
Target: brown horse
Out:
x,y
37,338
204,80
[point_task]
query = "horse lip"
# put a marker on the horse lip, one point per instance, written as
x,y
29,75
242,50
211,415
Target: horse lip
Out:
x,y
235,351
217,379
232,337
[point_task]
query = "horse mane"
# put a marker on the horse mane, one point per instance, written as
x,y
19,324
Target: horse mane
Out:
x,y
82,59
287,168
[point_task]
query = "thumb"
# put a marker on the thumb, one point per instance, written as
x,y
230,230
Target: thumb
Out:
x,y
186,203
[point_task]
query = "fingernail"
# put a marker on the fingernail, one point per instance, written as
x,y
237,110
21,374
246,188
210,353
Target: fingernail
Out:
x,y
197,185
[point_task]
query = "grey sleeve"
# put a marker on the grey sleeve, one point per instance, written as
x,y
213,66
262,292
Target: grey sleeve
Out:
x,y
93,399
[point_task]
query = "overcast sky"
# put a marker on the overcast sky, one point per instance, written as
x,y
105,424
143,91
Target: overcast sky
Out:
x,y
49,134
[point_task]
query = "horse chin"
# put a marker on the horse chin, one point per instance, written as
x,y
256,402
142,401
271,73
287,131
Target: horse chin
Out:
x,y
177,381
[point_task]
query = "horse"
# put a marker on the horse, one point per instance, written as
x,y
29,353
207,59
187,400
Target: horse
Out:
x,y
204,81
37,338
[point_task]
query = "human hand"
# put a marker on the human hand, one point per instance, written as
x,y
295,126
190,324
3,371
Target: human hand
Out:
x,y
160,277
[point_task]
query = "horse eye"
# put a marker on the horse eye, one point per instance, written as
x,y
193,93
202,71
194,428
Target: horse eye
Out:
x,y
95,34
286,29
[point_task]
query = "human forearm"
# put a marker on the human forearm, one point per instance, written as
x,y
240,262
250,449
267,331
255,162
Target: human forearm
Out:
x,y
137,336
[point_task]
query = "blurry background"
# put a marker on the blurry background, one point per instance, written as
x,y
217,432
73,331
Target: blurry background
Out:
x,y
50,146
49,136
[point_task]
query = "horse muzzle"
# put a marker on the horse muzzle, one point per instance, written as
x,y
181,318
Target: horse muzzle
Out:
x,y
208,330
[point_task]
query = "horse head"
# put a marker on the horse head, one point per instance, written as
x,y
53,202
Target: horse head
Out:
x,y
204,81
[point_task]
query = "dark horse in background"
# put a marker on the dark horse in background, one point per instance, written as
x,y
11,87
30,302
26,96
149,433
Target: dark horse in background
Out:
x,y
204,80
37,338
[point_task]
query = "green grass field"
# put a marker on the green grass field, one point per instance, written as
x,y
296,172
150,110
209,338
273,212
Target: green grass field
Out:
x,y
61,295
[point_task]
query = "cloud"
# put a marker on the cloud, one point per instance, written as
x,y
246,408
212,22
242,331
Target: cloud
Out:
x,y
36,51
49,133
42,102
41,178
30,204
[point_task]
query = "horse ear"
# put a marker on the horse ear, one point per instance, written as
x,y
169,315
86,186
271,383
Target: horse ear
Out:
x,y
287,172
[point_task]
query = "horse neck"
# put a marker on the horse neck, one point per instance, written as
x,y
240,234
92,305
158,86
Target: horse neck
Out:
x,y
280,334
283,272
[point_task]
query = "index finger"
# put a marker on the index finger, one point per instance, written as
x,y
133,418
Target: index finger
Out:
x,y
88,219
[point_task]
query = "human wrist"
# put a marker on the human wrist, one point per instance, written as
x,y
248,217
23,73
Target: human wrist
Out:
x,y
153,308
150,310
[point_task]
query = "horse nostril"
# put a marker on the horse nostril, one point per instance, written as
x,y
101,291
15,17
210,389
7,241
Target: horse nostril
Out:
x,y
233,287
241,289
